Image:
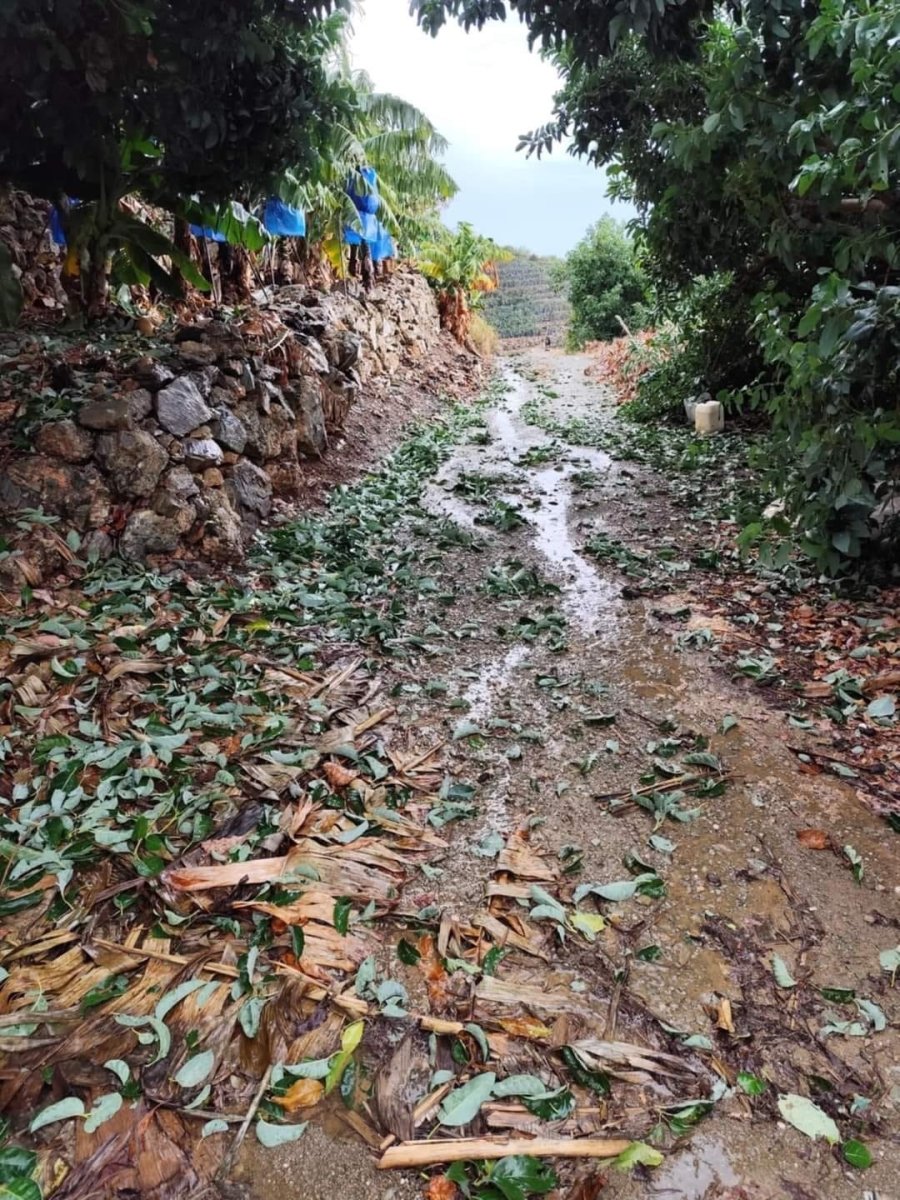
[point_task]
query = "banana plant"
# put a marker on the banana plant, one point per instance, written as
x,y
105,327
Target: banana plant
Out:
x,y
461,267
396,139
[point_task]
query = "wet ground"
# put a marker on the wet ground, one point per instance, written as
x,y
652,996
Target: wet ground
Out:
x,y
556,704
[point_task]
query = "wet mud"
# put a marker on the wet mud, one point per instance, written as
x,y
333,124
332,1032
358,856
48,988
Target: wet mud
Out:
x,y
740,886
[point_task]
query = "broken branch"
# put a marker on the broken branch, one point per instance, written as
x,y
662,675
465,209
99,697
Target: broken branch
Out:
x,y
428,1154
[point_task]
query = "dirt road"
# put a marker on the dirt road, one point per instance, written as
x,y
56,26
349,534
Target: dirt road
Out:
x,y
558,698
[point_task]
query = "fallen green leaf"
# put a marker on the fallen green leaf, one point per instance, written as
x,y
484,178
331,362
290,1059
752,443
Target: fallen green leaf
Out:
x,y
800,1112
461,1105
857,1154
270,1135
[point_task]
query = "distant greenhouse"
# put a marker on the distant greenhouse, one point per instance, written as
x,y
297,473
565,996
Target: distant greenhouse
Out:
x,y
526,304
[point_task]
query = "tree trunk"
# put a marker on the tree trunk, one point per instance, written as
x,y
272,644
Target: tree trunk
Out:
x,y
235,273
96,284
366,266
182,239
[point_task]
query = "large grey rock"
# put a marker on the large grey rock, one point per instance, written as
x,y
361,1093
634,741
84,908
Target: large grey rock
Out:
x,y
204,379
133,459
107,415
63,439
229,431
197,353
311,435
148,532
176,489
180,407
315,357
344,349
154,375
140,402
269,435
269,394
223,531
249,488
97,545
200,453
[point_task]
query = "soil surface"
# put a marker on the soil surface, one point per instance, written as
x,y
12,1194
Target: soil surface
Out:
x,y
568,698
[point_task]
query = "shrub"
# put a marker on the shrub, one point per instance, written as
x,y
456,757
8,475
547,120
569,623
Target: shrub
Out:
x,y
834,377
702,346
605,284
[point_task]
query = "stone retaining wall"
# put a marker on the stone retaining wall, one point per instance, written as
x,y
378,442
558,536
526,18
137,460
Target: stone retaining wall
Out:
x,y
179,450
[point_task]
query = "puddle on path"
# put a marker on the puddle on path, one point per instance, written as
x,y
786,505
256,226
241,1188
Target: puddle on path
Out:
x,y
587,597
494,676
691,1175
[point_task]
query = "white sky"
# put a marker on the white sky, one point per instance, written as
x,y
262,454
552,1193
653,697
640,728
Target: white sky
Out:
x,y
481,90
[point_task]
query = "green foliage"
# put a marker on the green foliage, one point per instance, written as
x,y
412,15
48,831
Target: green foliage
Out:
x,y
17,1168
761,144
165,100
462,259
834,400
701,346
158,100
461,267
605,283
514,1178
586,31
857,1154
397,139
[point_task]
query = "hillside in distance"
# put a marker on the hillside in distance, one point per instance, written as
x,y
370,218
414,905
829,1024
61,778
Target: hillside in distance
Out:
x,y
526,304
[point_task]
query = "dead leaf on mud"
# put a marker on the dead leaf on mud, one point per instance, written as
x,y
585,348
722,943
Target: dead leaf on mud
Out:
x,y
525,1027
396,1086
302,1094
441,1188
814,839
588,1188
724,1019
337,775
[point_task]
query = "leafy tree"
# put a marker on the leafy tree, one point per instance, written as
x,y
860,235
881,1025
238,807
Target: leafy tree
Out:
x,y
759,139
605,284
105,98
585,29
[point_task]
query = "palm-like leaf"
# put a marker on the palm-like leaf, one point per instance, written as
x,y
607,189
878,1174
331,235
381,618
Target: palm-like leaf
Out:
x,y
398,141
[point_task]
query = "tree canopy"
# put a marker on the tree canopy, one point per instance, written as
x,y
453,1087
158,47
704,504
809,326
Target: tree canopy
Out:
x,y
759,142
164,99
604,282
392,136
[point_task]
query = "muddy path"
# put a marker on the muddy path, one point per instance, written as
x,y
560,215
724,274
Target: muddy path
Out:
x,y
555,697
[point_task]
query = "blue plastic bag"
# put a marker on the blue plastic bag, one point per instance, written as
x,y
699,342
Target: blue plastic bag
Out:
x,y
211,235
56,229
369,231
282,220
369,202
383,247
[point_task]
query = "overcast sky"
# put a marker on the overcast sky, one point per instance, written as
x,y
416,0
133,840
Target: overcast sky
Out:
x,y
482,90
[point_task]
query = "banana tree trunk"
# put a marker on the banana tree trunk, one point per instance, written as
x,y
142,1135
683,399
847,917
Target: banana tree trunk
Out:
x,y
95,279
183,241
